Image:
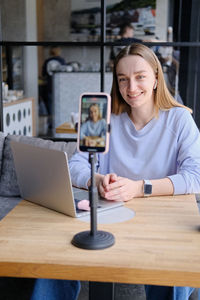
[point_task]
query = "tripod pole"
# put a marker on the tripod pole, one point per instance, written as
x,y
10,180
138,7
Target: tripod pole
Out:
x,y
93,239
93,196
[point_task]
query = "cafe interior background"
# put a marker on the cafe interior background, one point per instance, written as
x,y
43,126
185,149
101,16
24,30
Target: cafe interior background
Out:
x,y
86,31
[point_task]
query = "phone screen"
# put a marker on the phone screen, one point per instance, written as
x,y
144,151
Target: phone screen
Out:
x,y
93,123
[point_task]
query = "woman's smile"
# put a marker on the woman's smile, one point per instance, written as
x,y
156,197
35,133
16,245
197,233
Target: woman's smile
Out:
x,y
135,96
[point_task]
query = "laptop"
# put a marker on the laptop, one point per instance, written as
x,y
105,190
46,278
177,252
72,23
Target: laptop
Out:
x,y
44,178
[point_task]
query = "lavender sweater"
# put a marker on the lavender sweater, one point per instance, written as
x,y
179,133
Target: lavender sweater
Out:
x,y
168,146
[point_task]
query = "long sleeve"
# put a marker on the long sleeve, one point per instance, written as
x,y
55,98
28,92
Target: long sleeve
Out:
x,y
90,128
168,146
187,179
80,169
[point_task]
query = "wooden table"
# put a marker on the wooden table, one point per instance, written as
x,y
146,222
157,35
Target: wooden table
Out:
x,y
160,245
65,128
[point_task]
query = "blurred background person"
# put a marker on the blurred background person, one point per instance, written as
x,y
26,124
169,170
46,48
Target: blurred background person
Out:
x,y
169,59
52,64
126,35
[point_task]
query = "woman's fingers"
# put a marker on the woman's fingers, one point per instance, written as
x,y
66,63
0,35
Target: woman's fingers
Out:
x,y
112,187
108,179
117,183
113,177
118,196
120,190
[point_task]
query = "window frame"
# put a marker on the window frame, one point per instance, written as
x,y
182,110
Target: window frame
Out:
x,y
186,45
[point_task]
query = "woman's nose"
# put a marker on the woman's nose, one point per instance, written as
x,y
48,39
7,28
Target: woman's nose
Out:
x,y
132,85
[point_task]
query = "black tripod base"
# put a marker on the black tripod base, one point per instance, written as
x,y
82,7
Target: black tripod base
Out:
x,y
100,240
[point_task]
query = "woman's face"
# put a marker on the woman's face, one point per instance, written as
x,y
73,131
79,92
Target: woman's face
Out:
x,y
136,81
94,113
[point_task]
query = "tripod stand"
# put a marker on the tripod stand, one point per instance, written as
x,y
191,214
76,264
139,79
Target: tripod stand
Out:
x,y
93,239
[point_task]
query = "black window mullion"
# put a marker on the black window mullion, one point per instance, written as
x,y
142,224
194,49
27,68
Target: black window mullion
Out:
x,y
102,48
1,80
179,20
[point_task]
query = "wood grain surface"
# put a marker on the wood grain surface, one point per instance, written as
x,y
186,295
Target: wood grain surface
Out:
x,y
65,128
160,245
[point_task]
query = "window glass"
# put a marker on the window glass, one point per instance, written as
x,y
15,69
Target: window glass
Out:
x,y
51,20
12,59
67,20
130,19
80,21
65,73
85,20
18,24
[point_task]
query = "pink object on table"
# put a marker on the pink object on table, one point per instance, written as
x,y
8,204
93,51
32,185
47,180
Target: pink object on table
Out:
x,y
84,205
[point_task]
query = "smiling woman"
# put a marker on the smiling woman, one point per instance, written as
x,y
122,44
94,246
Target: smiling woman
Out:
x,y
154,143
150,66
94,127
136,81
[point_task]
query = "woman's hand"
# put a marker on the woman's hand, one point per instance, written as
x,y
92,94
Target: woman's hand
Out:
x,y
112,187
104,182
124,189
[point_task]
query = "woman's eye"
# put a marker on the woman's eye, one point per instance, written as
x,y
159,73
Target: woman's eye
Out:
x,y
122,79
140,76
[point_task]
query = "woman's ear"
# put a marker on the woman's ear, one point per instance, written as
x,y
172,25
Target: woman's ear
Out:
x,y
155,84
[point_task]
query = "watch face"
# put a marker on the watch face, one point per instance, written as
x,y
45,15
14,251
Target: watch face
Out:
x,y
148,189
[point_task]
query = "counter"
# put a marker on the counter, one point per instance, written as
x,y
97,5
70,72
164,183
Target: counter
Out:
x,y
19,117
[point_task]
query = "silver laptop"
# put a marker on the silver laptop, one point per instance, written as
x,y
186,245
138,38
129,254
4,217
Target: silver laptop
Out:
x,y
44,178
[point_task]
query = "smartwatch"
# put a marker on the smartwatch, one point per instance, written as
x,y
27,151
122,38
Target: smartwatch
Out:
x,y
147,188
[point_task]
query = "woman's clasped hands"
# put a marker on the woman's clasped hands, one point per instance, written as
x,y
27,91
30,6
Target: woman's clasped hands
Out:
x,y
116,188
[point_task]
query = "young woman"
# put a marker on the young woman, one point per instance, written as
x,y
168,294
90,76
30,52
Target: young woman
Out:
x,y
94,126
153,138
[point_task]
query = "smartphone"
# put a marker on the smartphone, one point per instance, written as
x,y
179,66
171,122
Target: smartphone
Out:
x,y
94,122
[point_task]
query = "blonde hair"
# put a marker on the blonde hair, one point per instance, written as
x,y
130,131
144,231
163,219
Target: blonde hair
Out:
x,y
163,99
